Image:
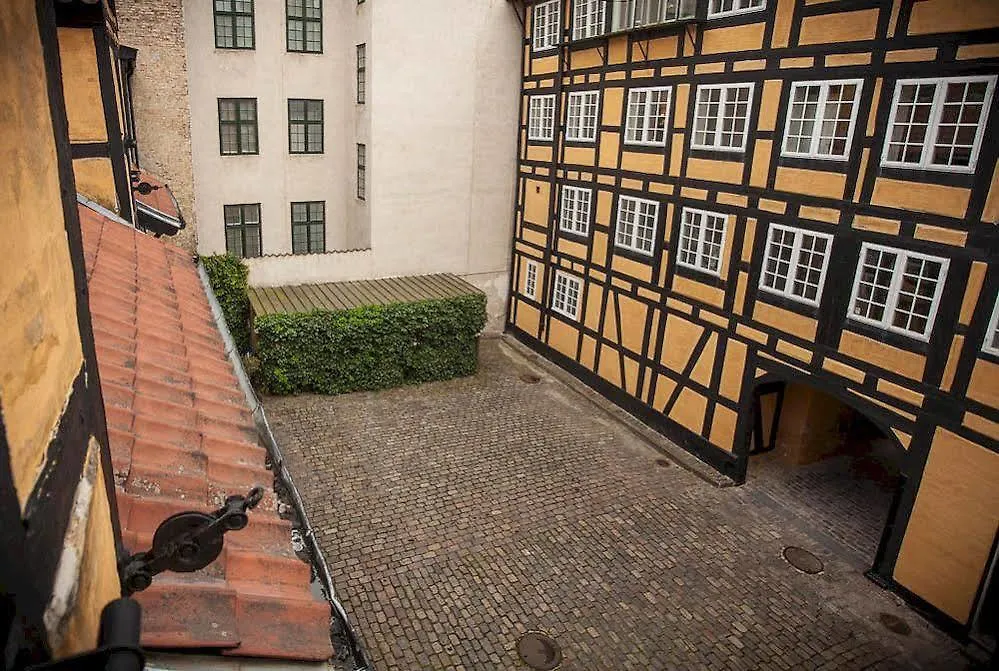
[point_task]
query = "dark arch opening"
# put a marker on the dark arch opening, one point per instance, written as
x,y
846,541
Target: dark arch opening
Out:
x,y
826,461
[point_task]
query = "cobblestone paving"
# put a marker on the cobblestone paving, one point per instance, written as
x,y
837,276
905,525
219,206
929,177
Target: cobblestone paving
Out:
x,y
839,495
456,516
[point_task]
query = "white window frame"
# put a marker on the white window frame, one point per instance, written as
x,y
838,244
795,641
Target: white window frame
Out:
x,y
795,263
576,131
991,332
594,11
579,198
725,88
531,279
902,255
647,116
813,151
566,278
745,9
700,256
543,35
631,243
546,132
933,126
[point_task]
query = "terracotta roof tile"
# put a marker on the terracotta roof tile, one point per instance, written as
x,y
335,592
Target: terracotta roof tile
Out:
x,y
182,438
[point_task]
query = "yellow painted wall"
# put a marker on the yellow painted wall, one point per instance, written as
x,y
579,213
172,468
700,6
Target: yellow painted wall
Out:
x,y
952,526
81,85
95,180
40,351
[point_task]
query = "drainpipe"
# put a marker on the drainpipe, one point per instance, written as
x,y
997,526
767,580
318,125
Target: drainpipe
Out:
x,y
343,635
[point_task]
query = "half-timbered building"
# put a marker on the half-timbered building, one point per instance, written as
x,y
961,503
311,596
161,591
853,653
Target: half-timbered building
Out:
x,y
737,218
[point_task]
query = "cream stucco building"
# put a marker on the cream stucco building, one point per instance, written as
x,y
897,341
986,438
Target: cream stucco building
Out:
x,y
434,125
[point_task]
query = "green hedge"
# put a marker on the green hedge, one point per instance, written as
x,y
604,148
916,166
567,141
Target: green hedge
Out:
x,y
227,275
370,347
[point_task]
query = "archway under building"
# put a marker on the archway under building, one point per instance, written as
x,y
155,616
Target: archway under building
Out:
x,y
827,463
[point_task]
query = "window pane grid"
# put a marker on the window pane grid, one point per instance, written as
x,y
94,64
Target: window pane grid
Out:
x,y
575,212
233,24
721,117
647,116
308,227
565,296
547,22
242,230
305,25
541,118
589,18
898,290
636,224
305,126
702,239
722,7
362,73
237,126
531,280
938,124
362,169
795,263
581,122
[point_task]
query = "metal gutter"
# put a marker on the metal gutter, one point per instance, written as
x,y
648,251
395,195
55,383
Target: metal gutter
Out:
x,y
344,632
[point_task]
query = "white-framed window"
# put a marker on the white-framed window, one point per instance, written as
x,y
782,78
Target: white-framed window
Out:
x,y
898,290
648,116
795,263
721,118
702,239
541,118
628,14
938,124
574,216
588,18
991,342
636,224
728,7
821,118
581,118
565,297
547,22
531,279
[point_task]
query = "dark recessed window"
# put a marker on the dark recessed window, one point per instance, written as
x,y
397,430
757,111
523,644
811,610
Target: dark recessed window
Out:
x,y
238,126
234,24
362,168
308,227
305,25
362,73
305,126
242,230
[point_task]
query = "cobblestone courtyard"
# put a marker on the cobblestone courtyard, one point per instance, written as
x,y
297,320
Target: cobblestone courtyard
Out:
x,y
456,516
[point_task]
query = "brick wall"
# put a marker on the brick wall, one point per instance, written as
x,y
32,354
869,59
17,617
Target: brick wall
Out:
x,y
160,95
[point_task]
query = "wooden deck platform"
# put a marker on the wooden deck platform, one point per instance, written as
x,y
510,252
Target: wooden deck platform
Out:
x,y
347,295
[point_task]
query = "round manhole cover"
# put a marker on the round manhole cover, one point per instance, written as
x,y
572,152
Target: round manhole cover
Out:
x,y
539,651
803,560
530,378
895,624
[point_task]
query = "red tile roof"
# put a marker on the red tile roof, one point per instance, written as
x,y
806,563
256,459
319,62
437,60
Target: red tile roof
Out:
x,y
182,438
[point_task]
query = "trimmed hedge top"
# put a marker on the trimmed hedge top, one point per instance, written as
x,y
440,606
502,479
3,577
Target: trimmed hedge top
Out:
x,y
369,348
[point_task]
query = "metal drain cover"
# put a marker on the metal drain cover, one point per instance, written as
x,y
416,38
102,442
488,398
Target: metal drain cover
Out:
x,y
530,378
803,560
539,651
895,624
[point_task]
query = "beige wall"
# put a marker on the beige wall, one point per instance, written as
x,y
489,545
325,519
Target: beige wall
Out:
x,y
440,126
156,29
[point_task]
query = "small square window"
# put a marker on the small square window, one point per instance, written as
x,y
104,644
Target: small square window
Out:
x,y
242,230
581,121
721,117
636,224
305,126
566,294
547,24
588,18
728,7
898,290
541,118
702,239
795,263
821,119
233,24
305,25
647,118
237,126
574,216
308,227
